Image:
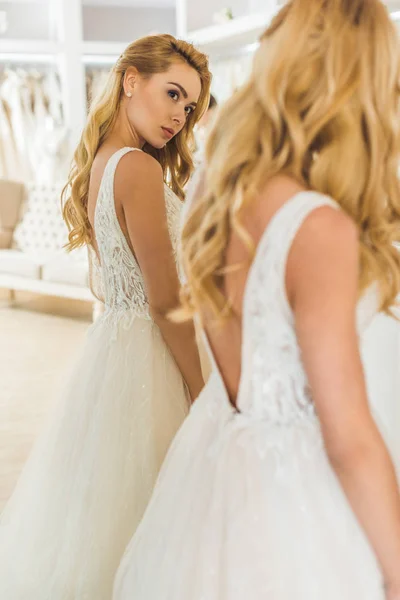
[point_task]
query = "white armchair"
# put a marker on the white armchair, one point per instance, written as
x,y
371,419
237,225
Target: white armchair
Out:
x,y
32,257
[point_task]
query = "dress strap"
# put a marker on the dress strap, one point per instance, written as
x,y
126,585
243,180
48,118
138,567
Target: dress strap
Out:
x,y
279,235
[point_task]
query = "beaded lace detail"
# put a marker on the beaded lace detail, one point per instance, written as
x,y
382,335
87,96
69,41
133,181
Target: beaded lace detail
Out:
x,y
121,278
274,399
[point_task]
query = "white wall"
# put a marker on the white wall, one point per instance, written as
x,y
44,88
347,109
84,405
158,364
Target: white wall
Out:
x,y
30,20
199,14
116,24
26,20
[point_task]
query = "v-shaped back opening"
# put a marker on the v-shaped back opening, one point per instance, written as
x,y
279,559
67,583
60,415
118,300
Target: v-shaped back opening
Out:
x,y
245,316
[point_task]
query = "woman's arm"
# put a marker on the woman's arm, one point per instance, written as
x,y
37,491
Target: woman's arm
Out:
x,y
322,283
140,189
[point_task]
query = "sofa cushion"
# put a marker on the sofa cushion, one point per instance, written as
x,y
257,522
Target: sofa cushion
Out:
x,y
13,262
65,269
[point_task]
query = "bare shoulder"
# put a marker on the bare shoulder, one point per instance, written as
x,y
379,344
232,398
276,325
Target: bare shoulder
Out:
x,y
327,227
323,261
140,166
138,178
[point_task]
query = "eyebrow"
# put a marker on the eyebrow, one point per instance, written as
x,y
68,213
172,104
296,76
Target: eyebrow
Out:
x,y
184,92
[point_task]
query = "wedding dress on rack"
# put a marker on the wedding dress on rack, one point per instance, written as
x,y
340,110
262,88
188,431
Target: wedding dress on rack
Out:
x,y
34,144
9,163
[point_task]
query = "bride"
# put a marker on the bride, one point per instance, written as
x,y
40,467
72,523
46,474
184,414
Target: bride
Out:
x,y
278,485
89,478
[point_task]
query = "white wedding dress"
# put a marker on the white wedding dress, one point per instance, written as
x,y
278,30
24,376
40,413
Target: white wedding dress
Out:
x,y
86,485
247,505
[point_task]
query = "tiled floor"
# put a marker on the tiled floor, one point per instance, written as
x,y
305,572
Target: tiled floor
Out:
x,y
39,339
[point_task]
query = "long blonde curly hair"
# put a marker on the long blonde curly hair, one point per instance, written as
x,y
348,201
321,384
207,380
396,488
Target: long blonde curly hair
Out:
x,y
150,55
322,106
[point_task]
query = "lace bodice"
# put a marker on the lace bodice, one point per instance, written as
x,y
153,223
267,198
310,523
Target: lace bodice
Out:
x,y
122,285
274,389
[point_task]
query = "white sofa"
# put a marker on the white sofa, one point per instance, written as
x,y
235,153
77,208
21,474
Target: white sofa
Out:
x,y
35,260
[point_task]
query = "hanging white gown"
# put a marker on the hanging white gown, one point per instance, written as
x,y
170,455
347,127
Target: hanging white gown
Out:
x,y
247,505
90,476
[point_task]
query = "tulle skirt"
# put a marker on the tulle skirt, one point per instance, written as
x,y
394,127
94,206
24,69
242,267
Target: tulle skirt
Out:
x,y
245,511
85,487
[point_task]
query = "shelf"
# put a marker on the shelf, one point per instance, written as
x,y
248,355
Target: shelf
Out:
x,y
104,48
29,51
102,53
241,31
29,46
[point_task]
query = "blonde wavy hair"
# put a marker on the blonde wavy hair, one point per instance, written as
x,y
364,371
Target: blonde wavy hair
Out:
x,y
150,55
322,106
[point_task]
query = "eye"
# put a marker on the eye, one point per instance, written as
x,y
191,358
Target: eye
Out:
x,y
189,110
173,94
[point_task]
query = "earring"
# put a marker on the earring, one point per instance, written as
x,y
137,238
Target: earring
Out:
x,y
129,94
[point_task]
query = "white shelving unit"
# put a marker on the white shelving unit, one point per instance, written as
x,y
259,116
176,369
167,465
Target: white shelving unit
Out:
x,y
63,51
239,32
102,53
244,29
104,48
29,49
